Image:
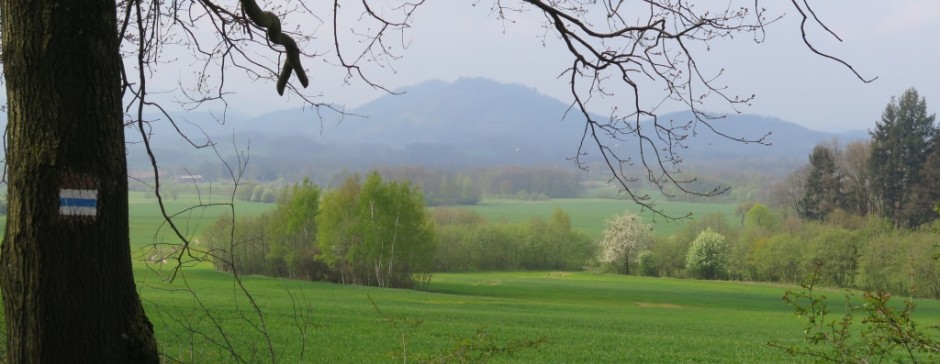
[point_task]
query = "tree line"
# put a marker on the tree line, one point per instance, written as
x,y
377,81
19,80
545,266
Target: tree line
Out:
x,y
379,232
466,241
765,245
862,215
446,188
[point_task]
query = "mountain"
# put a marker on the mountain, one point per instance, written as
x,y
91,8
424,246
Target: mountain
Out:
x,y
762,137
467,112
473,122
485,121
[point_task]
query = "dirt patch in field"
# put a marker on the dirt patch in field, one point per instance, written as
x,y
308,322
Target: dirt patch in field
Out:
x,y
657,305
492,282
557,275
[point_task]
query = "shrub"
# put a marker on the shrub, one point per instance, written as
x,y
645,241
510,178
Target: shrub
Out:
x,y
708,255
646,264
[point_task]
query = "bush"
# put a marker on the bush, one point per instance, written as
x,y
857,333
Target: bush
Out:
x,y
837,252
670,255
646,264
256,193
466,242
268,196
243,193
708,256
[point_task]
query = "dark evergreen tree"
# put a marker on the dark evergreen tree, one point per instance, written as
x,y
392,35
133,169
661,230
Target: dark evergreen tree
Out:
x,y
922,208
900,144
823,188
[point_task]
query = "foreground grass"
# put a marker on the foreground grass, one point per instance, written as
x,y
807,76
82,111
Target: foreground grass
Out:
x,y
583,317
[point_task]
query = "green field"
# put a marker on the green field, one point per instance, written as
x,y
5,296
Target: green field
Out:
x,y
588,215
583,317
147,225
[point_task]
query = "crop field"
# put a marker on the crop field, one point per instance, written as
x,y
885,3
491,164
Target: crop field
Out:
x,y
202,316
191,215
581,317
588,215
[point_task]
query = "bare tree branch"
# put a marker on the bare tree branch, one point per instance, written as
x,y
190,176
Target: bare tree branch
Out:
x,y
646,50
633,52
268,20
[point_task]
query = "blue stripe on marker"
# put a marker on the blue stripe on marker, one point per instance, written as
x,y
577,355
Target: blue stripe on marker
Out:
x,y
78,202
74,202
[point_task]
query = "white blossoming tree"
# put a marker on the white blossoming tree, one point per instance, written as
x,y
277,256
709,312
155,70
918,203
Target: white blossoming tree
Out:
x,y
708,256
625,236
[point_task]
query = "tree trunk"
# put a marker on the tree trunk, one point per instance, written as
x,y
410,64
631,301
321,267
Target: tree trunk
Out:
x,y
626,261
68,287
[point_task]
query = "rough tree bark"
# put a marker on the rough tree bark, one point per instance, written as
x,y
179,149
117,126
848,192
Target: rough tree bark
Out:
x,y
68,287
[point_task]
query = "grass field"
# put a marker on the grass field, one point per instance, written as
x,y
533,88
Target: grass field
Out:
x,y
582,317
588,215
147,224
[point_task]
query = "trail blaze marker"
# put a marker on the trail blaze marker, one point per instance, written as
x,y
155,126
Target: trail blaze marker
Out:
x,y
78,202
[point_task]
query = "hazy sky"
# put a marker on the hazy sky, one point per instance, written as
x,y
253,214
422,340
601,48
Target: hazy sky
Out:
x,y
894,40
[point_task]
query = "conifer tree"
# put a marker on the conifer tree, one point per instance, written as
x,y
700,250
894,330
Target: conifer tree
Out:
x,y
926,191
823,189
900,144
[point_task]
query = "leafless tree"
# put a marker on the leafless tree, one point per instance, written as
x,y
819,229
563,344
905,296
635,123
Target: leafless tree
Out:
x,y
787,193
854,166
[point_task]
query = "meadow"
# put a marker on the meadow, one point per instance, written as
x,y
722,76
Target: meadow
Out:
x,y
581,317
191,214
588,215
202,316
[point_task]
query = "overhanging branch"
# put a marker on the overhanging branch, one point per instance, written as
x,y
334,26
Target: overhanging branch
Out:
x,y
272,25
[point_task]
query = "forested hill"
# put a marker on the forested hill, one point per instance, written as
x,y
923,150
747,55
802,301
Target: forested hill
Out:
x,y
482,120
470,122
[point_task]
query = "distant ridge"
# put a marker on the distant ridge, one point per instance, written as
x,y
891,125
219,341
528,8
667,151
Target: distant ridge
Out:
x,y
467,111
475,121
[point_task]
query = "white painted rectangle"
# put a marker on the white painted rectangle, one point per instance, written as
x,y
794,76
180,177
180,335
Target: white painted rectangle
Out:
x,y
74,202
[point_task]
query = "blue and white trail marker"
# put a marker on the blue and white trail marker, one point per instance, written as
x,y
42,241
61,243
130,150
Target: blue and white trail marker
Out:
x,y
78,202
